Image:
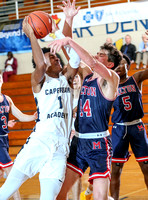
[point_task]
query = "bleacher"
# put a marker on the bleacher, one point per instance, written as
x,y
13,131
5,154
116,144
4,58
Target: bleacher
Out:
x,y
19,86
10,10
19,89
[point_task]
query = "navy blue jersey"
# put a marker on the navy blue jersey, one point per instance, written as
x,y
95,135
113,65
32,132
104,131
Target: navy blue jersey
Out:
x,y
93,108
128,104
4,115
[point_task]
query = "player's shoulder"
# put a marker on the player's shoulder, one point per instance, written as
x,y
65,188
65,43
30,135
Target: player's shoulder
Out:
x,y
115,76
8,98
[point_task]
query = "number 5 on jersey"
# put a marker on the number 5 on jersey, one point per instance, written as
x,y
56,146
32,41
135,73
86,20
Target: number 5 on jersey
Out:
x,y
127,103
85,108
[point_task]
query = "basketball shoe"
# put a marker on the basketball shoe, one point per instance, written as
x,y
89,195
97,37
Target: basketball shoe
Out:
x,y
83,196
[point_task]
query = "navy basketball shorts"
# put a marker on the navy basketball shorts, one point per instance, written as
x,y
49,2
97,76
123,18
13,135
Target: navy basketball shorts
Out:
x,y
93,153
135,135
5,160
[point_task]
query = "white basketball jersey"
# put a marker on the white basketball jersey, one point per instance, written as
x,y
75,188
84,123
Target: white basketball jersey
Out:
x,y
54,107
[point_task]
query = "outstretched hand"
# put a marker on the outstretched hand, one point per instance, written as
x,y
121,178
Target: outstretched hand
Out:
x,y
56,45
69,8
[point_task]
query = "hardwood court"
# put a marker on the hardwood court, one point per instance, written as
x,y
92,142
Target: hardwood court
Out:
x,y
132,184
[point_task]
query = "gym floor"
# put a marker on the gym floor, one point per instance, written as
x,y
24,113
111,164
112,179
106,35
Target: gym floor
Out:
x,y
132,184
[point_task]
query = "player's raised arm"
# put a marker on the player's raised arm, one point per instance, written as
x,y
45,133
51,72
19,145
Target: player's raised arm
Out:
x,y
38,74
140,77
70,11
90,60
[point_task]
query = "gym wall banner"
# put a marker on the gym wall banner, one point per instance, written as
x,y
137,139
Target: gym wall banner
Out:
x,y
108,14
121,13
12,38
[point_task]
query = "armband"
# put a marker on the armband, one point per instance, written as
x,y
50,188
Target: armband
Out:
x,y
74,57
74,60
59,34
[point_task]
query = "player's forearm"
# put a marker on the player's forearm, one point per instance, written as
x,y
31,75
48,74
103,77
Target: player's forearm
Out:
x,y
27,118
67,29
20,115
84,55
90,60
37,52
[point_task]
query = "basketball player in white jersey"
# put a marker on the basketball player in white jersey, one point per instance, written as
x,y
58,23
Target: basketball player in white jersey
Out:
x,y
47,147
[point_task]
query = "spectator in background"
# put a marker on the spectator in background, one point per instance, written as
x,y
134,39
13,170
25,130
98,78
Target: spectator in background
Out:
x,y
109,41
142,53
10,66
129,49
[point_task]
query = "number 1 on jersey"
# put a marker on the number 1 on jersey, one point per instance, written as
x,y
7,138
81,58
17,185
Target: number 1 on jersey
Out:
x,y
60,102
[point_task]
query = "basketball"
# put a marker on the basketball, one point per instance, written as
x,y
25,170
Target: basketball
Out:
x,y
41,23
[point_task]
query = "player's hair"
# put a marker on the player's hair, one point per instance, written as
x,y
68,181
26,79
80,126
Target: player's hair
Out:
x,y
46,50
114,55
127,60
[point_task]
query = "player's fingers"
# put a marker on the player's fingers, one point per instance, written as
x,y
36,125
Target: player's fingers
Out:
x,y
53,48
59,47
73,3
51,45
78,9
24,21
69,3
64,3
36,115
60,7
56,48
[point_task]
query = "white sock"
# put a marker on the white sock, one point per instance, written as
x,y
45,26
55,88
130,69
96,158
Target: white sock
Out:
x,y
88,191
